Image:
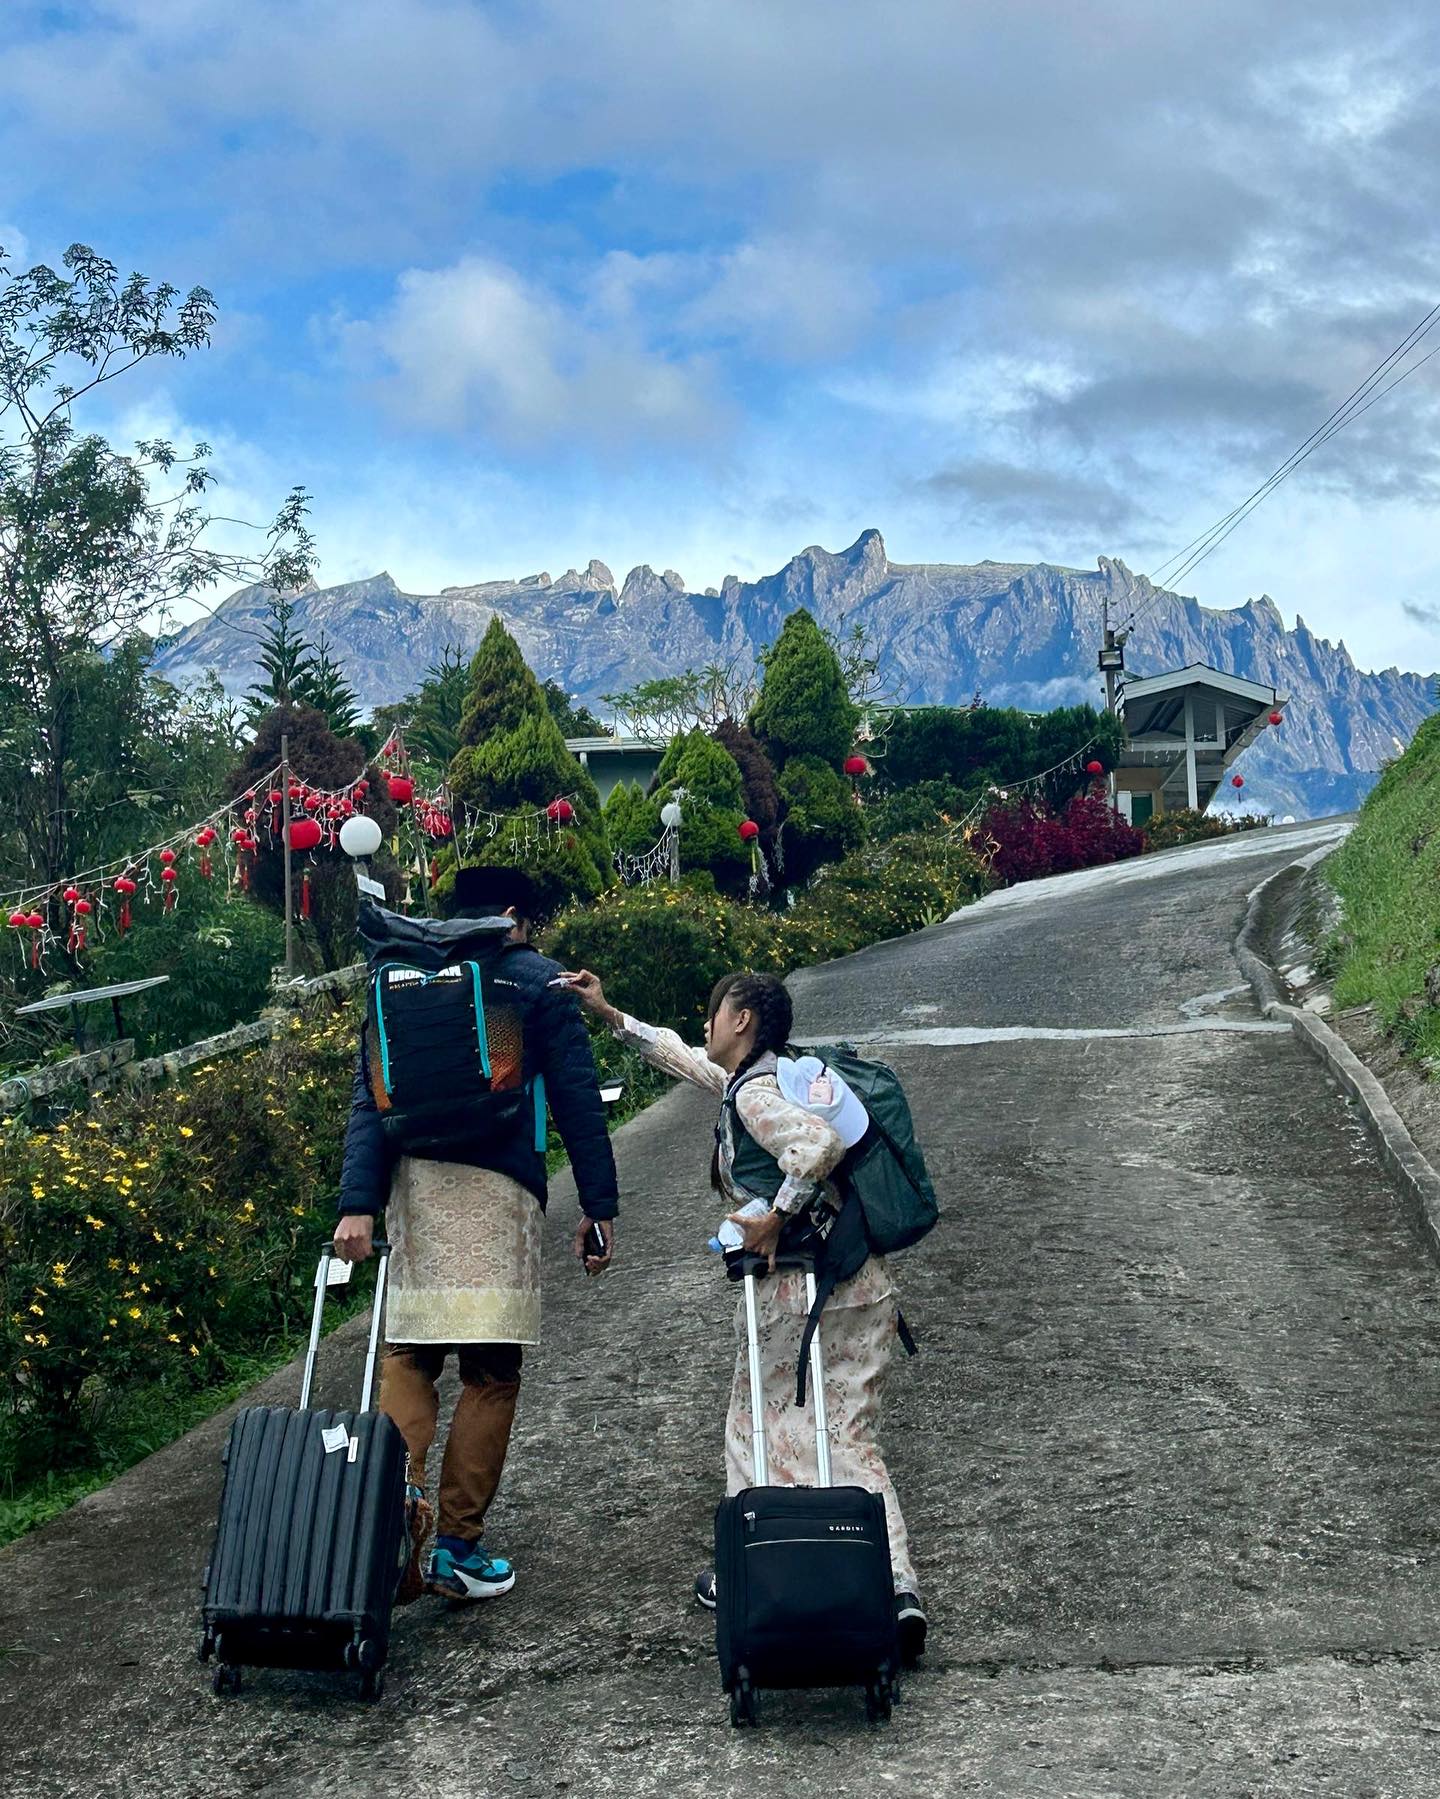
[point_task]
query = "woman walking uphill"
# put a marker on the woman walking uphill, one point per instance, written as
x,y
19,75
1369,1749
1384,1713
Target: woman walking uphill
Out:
x,y
770,1148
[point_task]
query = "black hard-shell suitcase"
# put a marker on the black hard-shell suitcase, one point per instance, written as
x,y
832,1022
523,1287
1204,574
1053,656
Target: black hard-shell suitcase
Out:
x,y
803,1585
312,1538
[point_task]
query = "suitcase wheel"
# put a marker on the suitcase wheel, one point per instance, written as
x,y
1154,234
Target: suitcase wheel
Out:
x,y
879,1699
372,1684
744,1703
226,1679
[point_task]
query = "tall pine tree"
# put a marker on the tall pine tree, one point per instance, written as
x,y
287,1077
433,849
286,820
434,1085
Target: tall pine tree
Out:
x,y
288,661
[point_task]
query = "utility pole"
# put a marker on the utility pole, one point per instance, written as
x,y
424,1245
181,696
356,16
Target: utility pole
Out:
x,y
1112,667
285,840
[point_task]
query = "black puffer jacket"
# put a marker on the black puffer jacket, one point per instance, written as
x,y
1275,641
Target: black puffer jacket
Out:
x,y
557,1040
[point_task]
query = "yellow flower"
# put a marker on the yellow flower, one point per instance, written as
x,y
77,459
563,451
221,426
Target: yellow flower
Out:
x,y
212,1274
134,1311
185,1131
39,1311
36,1190
142,1164
90,1125
112,1320
172,1338
133,1268
144,1286
58,1269
194,1350
113,1263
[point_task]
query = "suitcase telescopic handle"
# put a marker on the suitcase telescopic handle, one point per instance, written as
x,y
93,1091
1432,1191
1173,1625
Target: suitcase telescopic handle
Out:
x,y
377,1309
759,1458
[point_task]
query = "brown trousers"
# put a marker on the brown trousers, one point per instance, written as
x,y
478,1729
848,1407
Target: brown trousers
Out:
x,y
479,1431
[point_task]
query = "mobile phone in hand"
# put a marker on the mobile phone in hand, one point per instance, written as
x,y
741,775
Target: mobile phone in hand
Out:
x,y
594,1242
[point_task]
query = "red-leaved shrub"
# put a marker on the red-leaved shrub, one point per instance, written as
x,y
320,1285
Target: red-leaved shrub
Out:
x,y
1034,842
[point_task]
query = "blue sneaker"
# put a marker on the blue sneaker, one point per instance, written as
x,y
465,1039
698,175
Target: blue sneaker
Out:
x,y
467,1571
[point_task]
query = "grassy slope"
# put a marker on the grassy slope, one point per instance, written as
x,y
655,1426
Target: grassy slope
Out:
x,y
1387,875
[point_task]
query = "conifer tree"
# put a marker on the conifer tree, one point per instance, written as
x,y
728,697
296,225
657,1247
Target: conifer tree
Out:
x,y
288,661
512,762
327,689
804,708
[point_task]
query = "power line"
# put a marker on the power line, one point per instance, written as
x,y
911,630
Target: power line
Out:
x,y
1358,402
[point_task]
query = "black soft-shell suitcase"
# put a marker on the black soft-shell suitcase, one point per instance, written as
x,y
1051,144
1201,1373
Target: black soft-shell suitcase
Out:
x,y
803,1586
312,1539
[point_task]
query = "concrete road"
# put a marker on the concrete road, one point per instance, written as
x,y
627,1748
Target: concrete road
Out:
x,y
1170,1450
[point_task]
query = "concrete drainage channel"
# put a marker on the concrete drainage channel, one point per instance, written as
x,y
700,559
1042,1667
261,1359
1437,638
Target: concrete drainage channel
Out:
x,y
1269,919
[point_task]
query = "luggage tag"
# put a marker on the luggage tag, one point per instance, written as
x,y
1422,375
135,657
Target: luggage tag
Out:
x,y
336,1437
337,1273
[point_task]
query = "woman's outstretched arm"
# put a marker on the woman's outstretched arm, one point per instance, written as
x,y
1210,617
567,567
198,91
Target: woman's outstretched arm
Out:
x,y
662,1049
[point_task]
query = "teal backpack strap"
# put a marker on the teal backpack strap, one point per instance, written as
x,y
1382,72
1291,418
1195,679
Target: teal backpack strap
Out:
x,y
481,1032
542,1135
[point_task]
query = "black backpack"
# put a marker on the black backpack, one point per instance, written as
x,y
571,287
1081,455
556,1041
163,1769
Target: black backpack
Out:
x,y
446,1035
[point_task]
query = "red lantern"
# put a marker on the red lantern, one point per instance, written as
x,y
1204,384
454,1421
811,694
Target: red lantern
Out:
x,y
1094,768
361,789
239,834
1277,718
402,789
18,920
83,908
124,886
169,876
560,812
305,833
203,841
296,792
36,921
856,766
312,802
70,895
1237,780
275,797
167,857
749,830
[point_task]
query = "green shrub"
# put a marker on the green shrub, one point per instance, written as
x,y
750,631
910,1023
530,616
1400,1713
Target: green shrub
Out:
x,y
912,810
632,824
163,1236
711,810
822,821
660,949
1186,825
218,949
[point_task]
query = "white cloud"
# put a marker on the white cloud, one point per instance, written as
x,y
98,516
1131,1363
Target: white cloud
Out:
x,y
477,343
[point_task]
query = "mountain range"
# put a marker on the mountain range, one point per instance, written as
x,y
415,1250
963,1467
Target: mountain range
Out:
x,y
1020,634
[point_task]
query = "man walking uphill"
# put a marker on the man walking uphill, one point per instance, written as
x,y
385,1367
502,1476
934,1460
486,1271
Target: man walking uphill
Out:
x,y
465,1040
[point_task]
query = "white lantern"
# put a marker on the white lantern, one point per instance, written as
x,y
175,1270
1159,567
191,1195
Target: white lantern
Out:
x,y
670,815
360,836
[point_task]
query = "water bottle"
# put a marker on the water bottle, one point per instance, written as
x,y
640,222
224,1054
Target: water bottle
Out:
x,y
730,1236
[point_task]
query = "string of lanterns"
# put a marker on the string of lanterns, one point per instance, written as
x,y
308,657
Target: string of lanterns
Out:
x,y
105,895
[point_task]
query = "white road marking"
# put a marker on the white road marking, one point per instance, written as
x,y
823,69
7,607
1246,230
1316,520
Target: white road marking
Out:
x,y
972,1035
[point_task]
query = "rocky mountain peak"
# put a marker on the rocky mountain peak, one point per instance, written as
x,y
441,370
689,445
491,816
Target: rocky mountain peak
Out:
x,y
1021,634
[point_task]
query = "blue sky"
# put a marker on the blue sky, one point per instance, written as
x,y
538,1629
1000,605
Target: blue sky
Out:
x,y
697,284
